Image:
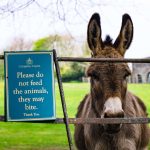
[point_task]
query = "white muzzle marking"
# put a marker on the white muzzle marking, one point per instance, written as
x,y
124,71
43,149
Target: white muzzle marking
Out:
x,y
113,105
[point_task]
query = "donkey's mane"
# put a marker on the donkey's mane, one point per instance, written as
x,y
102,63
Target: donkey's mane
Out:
x,y
108,40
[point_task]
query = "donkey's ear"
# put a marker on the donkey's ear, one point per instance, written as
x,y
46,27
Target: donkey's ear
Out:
x,y
125,36
94,33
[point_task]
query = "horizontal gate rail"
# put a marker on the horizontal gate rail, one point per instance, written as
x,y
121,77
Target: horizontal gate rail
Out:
x,y
79,59
135,120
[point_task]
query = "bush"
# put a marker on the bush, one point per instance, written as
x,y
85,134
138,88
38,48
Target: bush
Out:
x,y
1,70
72,72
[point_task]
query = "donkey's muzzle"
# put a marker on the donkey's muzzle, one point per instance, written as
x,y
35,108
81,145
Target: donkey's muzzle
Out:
x,y
113,128
113,109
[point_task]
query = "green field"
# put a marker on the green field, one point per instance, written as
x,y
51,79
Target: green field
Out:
x,y
42,136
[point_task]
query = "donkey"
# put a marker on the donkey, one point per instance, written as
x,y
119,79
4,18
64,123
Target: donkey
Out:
x,y
109,97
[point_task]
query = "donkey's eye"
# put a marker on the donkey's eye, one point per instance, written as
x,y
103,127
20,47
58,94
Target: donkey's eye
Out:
x,y
93,72
127,73
95,76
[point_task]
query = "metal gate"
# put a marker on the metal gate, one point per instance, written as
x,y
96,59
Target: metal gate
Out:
x,y
66,120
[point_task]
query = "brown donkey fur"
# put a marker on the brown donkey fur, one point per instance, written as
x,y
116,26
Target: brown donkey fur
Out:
x,y
108,97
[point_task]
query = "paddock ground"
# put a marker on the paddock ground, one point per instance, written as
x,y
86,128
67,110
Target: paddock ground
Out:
x,y
42,136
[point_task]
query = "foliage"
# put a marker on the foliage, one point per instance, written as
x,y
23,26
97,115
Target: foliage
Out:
x,y
62,44
46,43
65,47
1,69
85,49
74,72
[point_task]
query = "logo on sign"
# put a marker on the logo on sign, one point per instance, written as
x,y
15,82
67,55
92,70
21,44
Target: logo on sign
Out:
x,y
29,61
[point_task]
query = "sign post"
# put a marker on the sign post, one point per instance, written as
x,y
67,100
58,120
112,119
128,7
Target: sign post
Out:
x,y
29,86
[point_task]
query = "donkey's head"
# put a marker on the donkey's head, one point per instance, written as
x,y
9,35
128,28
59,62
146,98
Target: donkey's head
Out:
x,y
108,80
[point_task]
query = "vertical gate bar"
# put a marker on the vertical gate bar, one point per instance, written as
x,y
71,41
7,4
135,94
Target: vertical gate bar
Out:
x,y
63,101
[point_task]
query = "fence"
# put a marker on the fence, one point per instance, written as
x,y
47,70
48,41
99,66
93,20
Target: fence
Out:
x,y
67,120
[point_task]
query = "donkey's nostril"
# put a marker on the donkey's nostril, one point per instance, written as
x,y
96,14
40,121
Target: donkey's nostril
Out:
x,y
114,115
107,115
121,115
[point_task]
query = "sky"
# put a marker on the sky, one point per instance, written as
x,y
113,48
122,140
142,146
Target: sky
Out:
x,y
42,18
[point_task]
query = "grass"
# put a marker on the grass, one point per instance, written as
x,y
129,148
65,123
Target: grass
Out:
x,y
142,91
39,136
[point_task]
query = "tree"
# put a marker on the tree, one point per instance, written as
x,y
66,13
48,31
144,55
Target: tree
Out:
x,y
62,44
73,72
45,43
85,49
1,69
65,11
19,44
